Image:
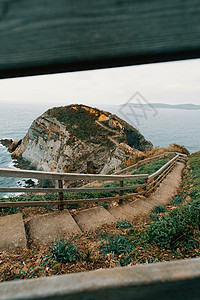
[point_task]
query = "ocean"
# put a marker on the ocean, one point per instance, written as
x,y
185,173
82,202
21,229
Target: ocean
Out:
x,y
15,120
162,127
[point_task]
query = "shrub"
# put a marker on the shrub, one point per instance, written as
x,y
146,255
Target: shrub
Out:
x,y
195,194
105,205
177,200
119,245
175,227
9,210
65,251
159,209
123,224
72,205
154,217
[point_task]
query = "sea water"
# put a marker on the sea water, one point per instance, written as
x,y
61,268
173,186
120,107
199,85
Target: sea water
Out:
x,y
15,120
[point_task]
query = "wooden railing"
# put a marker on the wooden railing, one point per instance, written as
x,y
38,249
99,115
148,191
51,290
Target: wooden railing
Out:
x,y
147,160
150,182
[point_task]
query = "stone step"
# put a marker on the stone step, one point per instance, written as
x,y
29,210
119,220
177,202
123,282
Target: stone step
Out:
x,y
123,211
92,218
12,232
45,229
141,207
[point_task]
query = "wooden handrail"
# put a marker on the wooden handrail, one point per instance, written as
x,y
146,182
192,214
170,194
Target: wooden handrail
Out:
x,y
66,176
163,167
68,190
146,160
161,173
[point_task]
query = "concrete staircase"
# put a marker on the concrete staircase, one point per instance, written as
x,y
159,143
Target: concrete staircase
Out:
x,y
44,229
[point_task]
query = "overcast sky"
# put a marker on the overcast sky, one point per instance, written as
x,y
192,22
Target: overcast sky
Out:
x,y
173,83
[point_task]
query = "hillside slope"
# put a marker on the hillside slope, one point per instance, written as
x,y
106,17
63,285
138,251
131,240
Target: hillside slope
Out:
x,y
78,138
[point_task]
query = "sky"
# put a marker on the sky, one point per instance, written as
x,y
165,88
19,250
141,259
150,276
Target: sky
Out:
x,y
170,82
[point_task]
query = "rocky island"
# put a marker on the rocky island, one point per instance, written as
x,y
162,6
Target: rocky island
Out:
x,y
78,138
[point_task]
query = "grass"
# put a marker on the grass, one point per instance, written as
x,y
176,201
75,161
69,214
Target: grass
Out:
x,y
8,210
123,224
152,166
79,123
159,209
65,250
117,244
177,227
177,200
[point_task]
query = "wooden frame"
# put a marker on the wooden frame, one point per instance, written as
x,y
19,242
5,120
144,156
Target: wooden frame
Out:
x,y
44,37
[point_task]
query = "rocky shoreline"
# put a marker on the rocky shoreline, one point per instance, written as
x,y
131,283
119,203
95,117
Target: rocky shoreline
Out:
x,y
24,164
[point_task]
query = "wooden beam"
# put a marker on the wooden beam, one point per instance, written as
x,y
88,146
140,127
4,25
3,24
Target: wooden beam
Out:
x,y
44,203
68,190
66,176
41,37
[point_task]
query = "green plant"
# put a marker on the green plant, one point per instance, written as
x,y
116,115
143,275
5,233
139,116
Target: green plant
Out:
x,y
176,227
159,209
119,245
72,205
154,217
9,210
49,207
123,224
105,205
116,243
177,200
151,166
65,251
195,194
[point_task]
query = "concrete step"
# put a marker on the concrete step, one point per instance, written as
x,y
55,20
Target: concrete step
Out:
x,y
92,218
45,229
123,211
141,207
12,232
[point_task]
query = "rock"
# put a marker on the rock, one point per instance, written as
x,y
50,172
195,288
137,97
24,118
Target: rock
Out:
x,y
6,142
10,144
69,139
14,145
29,183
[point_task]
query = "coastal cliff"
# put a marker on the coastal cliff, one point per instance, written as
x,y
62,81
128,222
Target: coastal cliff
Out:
x,y
78,138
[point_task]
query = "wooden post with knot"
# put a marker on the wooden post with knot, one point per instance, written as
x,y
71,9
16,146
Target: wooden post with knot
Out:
x,y
121,191
60,195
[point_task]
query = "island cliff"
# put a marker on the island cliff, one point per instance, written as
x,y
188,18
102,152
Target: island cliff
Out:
x,y
78,138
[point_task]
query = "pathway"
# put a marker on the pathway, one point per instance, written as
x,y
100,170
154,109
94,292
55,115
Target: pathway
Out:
x,y
46,228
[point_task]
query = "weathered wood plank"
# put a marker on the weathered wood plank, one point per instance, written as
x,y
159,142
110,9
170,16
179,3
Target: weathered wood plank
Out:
x,y
68,190
44,203
39,37
65,176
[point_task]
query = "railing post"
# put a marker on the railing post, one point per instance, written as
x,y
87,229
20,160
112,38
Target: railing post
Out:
x,y
121,191
145,187
60,195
